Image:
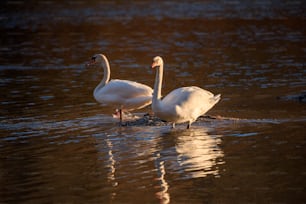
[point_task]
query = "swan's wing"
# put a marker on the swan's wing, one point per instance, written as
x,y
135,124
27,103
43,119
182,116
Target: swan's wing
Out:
x,y
187,95
126,94
189,102
127,89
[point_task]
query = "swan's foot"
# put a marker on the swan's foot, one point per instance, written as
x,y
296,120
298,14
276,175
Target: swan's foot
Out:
x,y
188,126
123,124
118,114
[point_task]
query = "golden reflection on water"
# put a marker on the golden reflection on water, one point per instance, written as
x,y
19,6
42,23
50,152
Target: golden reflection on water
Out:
x,y
112,168
197,156
198,153
162,195
58,145
137,155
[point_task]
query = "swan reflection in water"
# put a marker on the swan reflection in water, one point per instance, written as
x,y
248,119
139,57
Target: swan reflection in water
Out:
x,y
163,194
184,154
197,155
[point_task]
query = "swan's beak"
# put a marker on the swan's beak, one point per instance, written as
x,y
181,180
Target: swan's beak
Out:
x,y
92,62
154,64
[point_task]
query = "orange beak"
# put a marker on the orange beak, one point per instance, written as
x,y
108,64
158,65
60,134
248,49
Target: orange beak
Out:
x,y
92,61
154,65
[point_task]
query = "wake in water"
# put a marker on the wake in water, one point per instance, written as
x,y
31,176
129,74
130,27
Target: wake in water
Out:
x,y
150,120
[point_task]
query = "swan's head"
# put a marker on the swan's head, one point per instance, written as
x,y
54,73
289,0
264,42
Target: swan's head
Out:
x,y
157,62
98,59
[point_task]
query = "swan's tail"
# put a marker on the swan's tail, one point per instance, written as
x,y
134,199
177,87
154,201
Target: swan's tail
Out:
x,y
215,99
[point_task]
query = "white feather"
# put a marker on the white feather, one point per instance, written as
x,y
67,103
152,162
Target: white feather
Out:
x,y
122,94
181,105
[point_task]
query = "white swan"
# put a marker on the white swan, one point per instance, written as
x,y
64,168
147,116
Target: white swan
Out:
x,y
123,94
184,104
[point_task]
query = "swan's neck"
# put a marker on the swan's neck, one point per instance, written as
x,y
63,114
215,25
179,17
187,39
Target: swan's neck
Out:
x,y
158,85
106,76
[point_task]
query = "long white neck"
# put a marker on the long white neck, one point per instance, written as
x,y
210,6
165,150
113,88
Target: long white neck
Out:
x,y
106,75
158,85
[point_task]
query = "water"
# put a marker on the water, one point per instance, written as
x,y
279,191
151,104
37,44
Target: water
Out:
x,y
57,145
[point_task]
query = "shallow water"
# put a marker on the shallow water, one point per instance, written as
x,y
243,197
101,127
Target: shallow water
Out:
x,y
58,145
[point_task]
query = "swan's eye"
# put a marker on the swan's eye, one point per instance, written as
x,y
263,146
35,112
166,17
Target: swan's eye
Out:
x,y
93,58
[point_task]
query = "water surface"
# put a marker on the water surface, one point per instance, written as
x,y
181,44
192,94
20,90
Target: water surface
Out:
x,y
58,145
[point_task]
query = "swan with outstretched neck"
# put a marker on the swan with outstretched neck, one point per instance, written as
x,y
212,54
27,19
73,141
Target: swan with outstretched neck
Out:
x,y
184,104
125,95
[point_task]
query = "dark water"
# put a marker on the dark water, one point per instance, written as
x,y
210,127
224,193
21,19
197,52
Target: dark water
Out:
x,y
57,145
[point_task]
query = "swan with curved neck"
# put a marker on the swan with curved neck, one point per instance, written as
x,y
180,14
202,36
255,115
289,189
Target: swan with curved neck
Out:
x,y
122,94
184,104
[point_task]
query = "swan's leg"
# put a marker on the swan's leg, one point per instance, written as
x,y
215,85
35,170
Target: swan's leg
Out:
x,y
120,116
189,125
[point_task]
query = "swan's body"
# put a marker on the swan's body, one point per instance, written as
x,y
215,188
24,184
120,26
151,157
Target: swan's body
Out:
x,y
181,105
122,94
